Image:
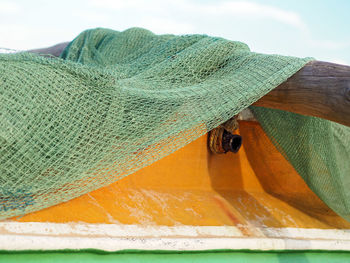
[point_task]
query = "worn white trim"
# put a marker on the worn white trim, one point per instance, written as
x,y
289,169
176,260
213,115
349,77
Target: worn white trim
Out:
x,y
111,237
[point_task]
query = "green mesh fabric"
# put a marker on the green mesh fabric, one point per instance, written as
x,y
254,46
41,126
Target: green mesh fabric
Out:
x,y
119,101
318,149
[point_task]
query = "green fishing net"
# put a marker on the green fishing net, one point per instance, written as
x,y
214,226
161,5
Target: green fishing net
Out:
x,y
318,149
118,101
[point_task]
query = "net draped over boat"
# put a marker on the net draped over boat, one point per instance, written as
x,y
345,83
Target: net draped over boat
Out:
x,y
118,101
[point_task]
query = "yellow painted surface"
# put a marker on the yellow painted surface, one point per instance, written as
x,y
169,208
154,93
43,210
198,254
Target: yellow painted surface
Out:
x,y
253,189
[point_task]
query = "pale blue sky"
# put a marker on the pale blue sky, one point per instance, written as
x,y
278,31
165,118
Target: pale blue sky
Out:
x,y
317,28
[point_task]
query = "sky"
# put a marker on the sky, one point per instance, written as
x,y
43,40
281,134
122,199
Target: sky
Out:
x,y
303,28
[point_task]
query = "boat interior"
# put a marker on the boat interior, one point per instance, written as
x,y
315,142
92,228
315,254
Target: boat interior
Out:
x,y
254,193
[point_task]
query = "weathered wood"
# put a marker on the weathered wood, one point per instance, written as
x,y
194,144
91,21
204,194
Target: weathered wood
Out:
x,y
319,89
55,50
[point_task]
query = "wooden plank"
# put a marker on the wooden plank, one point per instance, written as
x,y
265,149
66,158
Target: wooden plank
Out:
x,y
319,89
55,50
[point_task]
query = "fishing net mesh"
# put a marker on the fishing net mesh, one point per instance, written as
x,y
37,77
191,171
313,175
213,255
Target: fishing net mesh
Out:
x,y
118,101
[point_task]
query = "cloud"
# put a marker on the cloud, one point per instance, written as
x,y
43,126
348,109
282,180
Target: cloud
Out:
x,y
8,7
339,61
329,44
92,16
166,26
118,4
265,27
256,11
22,37
242,9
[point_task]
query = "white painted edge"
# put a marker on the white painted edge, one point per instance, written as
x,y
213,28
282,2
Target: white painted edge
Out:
x,y
112,237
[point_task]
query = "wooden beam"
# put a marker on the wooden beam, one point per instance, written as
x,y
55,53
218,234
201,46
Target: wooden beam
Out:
x,y
55,50
319,89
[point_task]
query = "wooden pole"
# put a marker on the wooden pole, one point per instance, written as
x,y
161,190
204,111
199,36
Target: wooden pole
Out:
x,y
319,89
55,50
